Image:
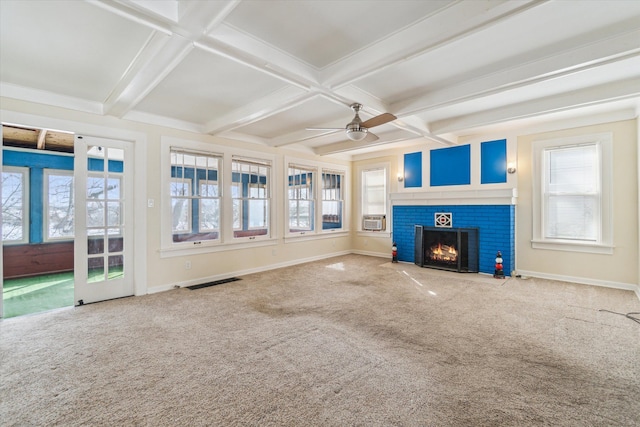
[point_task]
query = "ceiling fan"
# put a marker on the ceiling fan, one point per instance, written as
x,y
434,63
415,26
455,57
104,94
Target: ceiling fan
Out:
x,y
357,130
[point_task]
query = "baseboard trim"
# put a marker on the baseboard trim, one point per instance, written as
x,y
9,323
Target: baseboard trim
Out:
x,y
583,281
368,253
223,276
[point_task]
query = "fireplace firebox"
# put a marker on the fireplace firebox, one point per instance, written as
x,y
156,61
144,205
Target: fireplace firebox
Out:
x,y
453,249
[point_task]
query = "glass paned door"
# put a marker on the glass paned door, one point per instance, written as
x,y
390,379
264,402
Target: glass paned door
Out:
x,y
105,216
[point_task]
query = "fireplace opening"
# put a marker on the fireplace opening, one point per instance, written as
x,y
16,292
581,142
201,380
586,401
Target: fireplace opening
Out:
x,y
454,249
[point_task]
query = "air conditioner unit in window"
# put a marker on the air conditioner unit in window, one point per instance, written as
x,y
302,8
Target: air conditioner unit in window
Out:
x,y
374,222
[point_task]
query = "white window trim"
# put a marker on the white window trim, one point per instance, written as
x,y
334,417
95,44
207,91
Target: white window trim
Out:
x,y
605,244
375,166
226,241
318,232
25,208
313,197
45,204
195,190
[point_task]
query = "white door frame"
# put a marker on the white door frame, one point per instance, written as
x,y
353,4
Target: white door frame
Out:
x,y
139,140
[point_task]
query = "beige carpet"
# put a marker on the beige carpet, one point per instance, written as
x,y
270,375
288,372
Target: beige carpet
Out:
x,y
350,341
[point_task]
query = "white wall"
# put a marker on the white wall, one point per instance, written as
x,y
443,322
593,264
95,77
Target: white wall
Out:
x,y
619,269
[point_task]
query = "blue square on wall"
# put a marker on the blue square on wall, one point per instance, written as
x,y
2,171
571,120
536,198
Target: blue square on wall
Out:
x,y
413,170
451,166
493,162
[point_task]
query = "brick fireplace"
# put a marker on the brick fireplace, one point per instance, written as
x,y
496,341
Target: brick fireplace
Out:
x,y
491,212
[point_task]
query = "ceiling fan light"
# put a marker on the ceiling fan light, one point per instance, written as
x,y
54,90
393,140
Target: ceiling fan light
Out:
x,y
356,134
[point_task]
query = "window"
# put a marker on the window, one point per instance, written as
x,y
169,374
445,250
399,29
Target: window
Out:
x,y
251,195
374,191
104,205
572,194
209,215
332,199
180,206
213,198
59,207
195,195
301,194
315,196
15,205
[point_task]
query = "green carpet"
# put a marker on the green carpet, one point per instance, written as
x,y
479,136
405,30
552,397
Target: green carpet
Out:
x,y
35,294
29,295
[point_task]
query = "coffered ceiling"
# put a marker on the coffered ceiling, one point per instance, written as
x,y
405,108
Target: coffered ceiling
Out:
x,y
264,71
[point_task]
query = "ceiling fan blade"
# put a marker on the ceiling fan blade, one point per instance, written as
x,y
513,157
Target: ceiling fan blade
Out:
x,y
379,120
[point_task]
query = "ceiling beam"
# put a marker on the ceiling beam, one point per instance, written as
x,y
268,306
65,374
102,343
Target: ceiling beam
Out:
x,y
42,135
132,14
600,50
236,45
281,100
620,90
452,23
155,60
166,47
37,138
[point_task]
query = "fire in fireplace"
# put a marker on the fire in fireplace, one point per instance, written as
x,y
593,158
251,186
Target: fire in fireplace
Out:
x,y
454,249
444,253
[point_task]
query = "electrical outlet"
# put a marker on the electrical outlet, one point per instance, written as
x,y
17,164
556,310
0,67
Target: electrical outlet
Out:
x,y
187,265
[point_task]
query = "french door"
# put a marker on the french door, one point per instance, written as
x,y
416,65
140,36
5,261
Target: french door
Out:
x,y
103,251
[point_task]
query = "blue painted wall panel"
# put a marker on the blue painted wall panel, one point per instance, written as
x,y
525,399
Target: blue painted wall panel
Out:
x,y
493,162
36,160
413,170
451,166
36,205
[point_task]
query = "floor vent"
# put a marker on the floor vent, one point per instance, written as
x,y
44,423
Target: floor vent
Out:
x,y
217,282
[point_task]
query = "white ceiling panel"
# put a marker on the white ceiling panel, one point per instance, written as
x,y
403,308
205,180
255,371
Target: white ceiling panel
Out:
x,y
264,71
70,48
322,32
198,89
315,112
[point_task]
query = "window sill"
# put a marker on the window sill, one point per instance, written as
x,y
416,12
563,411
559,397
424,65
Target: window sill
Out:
x,y
14,243
380,234
171,252
299,237
572,247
